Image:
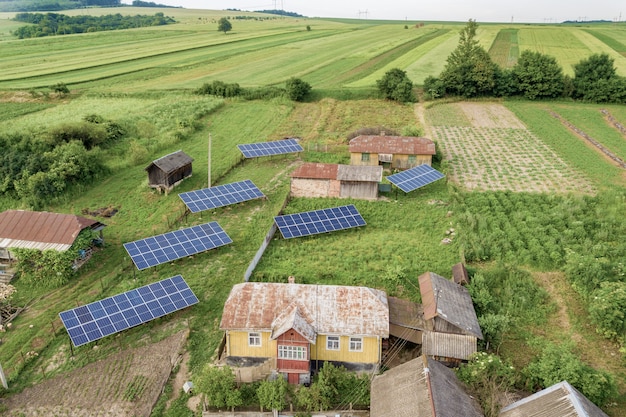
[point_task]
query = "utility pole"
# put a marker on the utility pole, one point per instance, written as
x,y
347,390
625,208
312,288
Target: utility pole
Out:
x,y
209,168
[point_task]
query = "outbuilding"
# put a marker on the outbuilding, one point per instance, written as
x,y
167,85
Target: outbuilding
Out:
x,y
336,180
392,152
169,170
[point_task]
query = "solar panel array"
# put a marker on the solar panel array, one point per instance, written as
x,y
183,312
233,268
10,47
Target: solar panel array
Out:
x,y
102,318
220,195
319,221
253,150
414,178
163,248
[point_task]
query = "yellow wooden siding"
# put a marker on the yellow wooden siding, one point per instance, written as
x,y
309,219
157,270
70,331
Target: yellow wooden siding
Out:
x,y
398,160
355,159
369,354
238,345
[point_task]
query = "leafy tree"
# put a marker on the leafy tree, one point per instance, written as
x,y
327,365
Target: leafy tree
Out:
x,y
224,25
556,363
219,387
273,394
396,85
538,76
433,87
60,88
596,80
607,309
469,70
297,89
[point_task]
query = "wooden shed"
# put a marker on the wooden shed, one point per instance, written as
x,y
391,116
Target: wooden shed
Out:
x,y
166,172
392,152
335,180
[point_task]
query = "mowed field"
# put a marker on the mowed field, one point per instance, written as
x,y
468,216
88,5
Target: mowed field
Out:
x,y
142,79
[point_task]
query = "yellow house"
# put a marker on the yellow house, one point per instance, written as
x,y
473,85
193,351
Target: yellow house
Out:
x,y
396,152
301,326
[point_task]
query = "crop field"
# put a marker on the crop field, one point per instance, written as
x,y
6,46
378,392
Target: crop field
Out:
x,y
521,188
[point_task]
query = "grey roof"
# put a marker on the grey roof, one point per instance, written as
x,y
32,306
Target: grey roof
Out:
x,y
418,388
448,345
360,173
559,400
449,301
171,162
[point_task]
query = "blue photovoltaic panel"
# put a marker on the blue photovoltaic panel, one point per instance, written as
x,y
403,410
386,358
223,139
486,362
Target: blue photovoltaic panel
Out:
x,y
163,248
253,150
414,178
220,195
319,221
96,320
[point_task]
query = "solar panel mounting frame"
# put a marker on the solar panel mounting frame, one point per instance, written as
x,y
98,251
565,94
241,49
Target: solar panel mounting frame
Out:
x,y
416,177
278,147
319,221
220,195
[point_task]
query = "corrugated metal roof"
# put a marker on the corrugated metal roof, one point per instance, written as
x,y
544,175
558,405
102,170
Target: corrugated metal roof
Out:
x,y
294,318
41,230
313,170
559,400
449,301
362,173
336,310
448,345
171,162
397,145
407,314
406,391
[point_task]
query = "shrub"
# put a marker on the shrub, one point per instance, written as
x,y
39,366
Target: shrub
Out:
x,y
297,89
396,85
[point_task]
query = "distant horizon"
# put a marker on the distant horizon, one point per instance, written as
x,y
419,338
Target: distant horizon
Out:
x,y
487,11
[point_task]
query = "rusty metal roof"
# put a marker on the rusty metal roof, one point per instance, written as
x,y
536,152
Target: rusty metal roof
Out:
x,y
171,162
396,145
449,301
459,274
407,314
421,387
317,171
448,345
330,309
559,400
41,230
294,318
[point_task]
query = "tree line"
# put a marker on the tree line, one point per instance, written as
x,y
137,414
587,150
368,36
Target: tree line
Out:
x,y
54,5
50,24
470,72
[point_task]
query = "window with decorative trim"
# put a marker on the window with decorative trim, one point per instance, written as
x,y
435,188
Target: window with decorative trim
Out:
x,y
356,344
297,353
254,339
332,342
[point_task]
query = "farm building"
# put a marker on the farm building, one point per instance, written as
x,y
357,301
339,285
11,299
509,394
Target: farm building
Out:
x,y
334,180
166,172
561,400
294,328
41,231
392,152
420,387
454,327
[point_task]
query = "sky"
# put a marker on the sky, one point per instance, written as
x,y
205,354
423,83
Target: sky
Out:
x,y
525,11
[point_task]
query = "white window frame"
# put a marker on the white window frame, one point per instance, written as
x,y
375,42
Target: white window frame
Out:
x,y
333,343
254,339
356,344
292,353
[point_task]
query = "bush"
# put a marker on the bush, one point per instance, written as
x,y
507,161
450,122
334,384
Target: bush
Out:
x,y
220,89
297,89
396,85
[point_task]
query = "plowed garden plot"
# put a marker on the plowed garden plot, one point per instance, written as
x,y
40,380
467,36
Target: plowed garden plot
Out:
x,y
127,384
490,149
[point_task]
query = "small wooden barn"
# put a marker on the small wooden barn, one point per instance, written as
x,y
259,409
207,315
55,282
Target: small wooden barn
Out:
x,y
335,180
166,172
421,387
392,152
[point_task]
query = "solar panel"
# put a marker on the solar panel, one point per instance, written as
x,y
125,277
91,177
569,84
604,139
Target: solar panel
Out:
x,y
163,248
110,315
220,195
253,150
319,221
414,178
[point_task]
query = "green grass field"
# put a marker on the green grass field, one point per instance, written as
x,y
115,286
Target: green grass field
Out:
x,y
142,79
